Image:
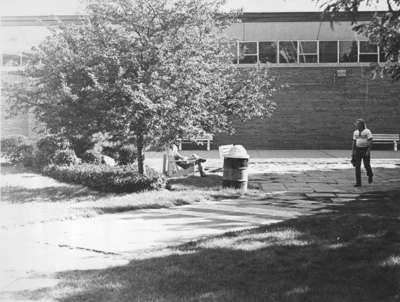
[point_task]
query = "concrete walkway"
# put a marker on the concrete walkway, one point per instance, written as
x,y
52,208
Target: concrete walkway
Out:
x,y
302,184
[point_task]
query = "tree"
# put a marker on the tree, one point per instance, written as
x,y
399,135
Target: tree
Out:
x,y
383,29
142,71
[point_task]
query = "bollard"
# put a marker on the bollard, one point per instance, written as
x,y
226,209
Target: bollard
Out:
x,y
235,169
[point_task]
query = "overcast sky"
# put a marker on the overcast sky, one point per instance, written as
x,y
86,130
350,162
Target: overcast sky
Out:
x,y
62,7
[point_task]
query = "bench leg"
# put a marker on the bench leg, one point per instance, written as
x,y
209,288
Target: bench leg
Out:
x,y
395,146
208,145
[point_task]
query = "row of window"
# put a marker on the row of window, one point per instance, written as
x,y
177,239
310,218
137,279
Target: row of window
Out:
x,y
282,52
14,59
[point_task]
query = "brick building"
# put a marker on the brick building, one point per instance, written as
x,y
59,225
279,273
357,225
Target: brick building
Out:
x,y
327,69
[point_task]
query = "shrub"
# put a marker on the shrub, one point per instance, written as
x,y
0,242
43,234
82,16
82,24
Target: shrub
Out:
x,y
92,157
127,155
81,144
65,157
106,178
12,147
47,147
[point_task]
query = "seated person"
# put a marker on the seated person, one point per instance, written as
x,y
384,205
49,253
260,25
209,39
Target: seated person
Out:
x,y
186,161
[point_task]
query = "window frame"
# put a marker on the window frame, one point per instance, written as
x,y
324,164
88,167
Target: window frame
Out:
x,y
307,53
276,51
297,51
257,52
368,53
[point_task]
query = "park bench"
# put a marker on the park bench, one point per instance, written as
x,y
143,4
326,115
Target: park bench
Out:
x,y
387,138
208,138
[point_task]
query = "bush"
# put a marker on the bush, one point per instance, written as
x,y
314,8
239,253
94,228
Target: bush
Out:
x,y
47,147
106,178
12,147
92,157
127,155
65,157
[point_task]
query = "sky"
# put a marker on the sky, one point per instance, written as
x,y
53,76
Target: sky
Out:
x,y
67,7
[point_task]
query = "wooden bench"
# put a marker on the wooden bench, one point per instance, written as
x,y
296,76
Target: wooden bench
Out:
x,y
203,139
387,138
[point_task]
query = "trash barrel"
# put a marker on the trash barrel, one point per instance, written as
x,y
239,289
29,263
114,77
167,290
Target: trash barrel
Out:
x,y
235,168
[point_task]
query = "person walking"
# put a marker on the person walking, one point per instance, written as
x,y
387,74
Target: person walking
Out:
x,y
361,150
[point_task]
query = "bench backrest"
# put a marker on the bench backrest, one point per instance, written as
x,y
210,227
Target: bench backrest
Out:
x,y
381,136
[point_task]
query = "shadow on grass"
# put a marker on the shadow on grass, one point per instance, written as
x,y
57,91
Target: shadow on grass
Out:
x,y
48,194
211,181
351,253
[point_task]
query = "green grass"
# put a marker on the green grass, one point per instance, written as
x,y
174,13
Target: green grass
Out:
x,y
351,253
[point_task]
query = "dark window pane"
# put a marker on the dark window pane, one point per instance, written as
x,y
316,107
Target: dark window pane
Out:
x,y
25,56
328,51
267,52
248,59
248,48
382,55
248,52
366,47
11,60
308,47
308,59
348,51
368,57
288,52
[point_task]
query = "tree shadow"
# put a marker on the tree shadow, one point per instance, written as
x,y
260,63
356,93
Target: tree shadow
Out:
x,y
49,194
350,253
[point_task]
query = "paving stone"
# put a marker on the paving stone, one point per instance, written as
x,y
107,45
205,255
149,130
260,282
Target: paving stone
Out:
x,y
320,195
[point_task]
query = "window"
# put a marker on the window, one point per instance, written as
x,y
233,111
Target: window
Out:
x,y
288,52
368,52
248,52
328,52
11,60
267,52
308,52
348,51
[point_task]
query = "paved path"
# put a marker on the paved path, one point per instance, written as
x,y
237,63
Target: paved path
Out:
x,y
293,187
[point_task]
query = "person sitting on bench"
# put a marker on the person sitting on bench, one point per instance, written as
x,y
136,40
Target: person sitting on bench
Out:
x,y
185,161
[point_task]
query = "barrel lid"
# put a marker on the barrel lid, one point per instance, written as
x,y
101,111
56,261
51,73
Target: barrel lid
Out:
x,y
237,151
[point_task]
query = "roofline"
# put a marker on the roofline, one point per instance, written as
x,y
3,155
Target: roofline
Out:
x,y
308,16
247,17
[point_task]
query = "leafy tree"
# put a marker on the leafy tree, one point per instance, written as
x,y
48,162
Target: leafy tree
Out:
x,y
383,29
142,71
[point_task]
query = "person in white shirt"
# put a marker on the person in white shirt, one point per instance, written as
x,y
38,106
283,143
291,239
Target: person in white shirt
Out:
x,y
361,150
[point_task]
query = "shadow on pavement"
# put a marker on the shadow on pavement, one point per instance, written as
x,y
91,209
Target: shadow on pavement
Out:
x,y
350,253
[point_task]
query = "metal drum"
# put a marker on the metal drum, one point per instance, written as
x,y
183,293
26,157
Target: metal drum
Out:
x,y
236,169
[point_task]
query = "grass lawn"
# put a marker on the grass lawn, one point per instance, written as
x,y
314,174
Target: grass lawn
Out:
x,y
351,253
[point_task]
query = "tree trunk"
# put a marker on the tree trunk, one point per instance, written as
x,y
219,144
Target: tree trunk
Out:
x,y
140,153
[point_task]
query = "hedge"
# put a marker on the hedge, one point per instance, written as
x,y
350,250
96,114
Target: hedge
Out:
x,y
106,178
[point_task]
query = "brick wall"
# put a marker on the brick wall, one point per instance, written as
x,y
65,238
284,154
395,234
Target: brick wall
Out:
x,y
318,109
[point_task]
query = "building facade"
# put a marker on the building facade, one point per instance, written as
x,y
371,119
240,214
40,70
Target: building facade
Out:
x,y
325,69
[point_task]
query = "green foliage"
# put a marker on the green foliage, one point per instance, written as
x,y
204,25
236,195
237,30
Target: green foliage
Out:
x,y
144,71
65,157
383,29
106,178
127,155
92,157
47,147
14,147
